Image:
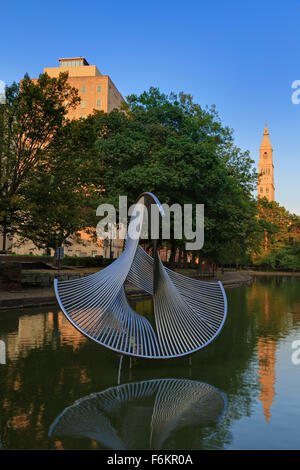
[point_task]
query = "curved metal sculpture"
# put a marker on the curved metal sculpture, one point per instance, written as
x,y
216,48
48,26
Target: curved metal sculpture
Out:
x,y
188,313
142,414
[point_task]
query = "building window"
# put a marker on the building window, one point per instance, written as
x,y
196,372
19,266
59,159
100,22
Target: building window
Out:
x,y
261,190
83,89
99,88
83,103
98,103
71,63
267,190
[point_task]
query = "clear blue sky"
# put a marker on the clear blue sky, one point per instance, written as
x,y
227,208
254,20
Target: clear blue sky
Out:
x,y
240,56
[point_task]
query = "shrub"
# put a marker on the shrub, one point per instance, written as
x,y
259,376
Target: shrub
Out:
x,y
85,261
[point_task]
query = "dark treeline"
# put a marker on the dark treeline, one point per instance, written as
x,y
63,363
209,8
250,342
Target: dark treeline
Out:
x,y
55,172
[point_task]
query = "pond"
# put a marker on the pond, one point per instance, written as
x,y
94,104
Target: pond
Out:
x,y
59,390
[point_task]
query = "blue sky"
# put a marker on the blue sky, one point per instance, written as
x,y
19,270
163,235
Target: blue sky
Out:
x,y
240,56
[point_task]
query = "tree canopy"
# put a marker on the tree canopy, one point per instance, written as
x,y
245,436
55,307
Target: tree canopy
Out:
x,y
30,117
61,194
280,247
171,146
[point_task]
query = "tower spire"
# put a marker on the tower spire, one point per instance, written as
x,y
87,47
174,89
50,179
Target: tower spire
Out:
x,y
265,143
265,187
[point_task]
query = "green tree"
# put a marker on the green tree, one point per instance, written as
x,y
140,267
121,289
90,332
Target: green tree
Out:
x,y
61,196
280,245
173,147
30,118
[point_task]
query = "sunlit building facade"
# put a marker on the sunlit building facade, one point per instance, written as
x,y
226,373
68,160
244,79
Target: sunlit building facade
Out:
x,y
97,91
265,187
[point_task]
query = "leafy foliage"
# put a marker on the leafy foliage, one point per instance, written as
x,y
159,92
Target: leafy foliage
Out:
x,y
61,194
280,248
31,116
173,147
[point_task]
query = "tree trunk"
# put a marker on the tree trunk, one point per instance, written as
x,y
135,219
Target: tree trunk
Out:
x,y
173,253
185,258
4,238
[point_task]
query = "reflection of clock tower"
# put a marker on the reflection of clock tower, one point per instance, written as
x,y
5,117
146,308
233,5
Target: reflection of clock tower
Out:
x,y
265,187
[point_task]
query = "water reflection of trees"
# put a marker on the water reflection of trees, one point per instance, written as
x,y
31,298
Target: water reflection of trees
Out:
x,y
276,302
50,366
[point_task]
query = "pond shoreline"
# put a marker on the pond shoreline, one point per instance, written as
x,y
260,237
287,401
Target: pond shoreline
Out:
x,y
35,297
271,273
41,296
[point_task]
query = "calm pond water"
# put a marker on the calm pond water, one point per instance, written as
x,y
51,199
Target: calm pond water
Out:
x,y
60,391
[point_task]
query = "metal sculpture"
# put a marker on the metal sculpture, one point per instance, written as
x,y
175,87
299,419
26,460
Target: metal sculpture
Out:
x,y
142,414
188,313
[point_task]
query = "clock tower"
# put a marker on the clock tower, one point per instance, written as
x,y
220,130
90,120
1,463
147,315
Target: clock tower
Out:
x,y
265,187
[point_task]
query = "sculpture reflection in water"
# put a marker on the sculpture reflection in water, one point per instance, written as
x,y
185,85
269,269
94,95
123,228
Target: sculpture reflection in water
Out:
x,y
141,415
188,313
